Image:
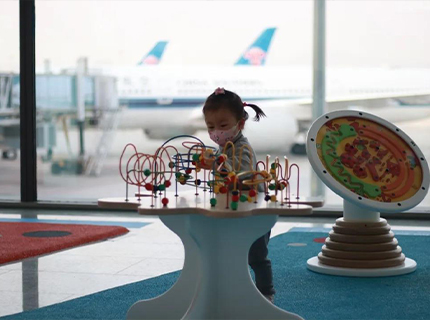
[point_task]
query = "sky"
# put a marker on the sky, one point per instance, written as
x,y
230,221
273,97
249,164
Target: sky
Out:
x,y
387,33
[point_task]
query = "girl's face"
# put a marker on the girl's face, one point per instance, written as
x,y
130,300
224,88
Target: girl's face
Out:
x,y
222,119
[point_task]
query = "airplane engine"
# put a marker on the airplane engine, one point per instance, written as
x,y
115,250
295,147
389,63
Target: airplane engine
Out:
x,y
276,133
168,132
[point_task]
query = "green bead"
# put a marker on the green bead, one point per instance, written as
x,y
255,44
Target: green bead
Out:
x,y
146,172
196,157
187,176
234,205
178,174
161,187
243,198
171,165
213,202
272,186
273,166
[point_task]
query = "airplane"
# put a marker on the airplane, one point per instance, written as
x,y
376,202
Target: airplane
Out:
x,y
284,94
148,86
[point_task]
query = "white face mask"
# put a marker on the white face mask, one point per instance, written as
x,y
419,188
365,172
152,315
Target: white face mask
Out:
x,y
221,137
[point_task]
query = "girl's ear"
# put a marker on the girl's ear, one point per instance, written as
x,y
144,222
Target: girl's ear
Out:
x,y
241,124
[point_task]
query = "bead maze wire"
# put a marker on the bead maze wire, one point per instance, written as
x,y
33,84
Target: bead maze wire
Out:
x,y
203,166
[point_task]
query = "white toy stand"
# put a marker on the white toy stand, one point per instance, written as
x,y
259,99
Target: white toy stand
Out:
x,y
215,282
362,244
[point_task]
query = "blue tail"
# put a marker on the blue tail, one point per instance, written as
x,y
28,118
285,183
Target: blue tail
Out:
x,y
257,52
154,56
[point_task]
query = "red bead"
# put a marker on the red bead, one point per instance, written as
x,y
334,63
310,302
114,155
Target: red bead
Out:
x,y
223,190
148,186
252,193
235,198
165,201
221,159
227,180
167,183
193,163
188,171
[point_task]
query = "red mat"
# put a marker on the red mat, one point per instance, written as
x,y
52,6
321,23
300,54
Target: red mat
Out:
x,y
20,240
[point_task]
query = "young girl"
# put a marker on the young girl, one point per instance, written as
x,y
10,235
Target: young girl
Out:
x,y
225,118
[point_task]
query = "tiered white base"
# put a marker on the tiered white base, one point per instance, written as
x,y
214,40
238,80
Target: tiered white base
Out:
x,y
408,267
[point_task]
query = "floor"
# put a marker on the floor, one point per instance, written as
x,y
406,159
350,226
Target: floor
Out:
x,y
143,253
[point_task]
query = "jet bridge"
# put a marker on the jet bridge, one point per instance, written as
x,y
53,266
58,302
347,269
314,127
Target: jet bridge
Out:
x,y
80,98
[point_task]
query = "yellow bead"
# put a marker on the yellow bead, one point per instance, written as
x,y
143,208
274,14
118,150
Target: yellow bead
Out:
x,y
272,171
198,169
216,189
249,199
231,174
273,198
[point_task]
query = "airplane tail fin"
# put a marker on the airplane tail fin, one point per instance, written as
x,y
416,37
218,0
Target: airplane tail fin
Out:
x,y
257,52
154,56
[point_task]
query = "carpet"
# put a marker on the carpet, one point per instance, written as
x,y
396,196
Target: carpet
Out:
x,y
311,295
20,240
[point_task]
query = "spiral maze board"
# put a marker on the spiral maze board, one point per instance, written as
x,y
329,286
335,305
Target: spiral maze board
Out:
x,y
376,168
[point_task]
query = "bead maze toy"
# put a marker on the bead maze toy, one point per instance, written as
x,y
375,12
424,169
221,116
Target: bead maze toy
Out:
x,y
227,184
375,167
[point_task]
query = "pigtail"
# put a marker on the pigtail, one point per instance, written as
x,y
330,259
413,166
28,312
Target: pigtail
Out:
x,y
258,112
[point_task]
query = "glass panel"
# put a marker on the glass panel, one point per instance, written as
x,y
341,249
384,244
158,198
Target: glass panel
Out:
x,y
377,59
193,54
9,109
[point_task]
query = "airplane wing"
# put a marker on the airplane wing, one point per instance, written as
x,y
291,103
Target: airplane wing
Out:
x,y
397,107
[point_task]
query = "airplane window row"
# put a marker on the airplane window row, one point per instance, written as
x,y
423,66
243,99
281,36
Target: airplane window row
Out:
x,y
374,90
254,91
136,91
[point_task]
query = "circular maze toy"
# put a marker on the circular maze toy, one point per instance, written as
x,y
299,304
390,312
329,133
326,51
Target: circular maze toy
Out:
x,y
375,167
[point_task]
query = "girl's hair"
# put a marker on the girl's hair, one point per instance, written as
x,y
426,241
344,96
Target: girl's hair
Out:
x,y
221,98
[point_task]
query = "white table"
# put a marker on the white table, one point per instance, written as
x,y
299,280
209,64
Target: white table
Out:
x,y
215,282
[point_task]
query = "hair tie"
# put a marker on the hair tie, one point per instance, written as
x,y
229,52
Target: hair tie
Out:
x,y
219,91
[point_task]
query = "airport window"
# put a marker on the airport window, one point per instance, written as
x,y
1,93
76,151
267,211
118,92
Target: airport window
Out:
x,y
9,102
78,105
